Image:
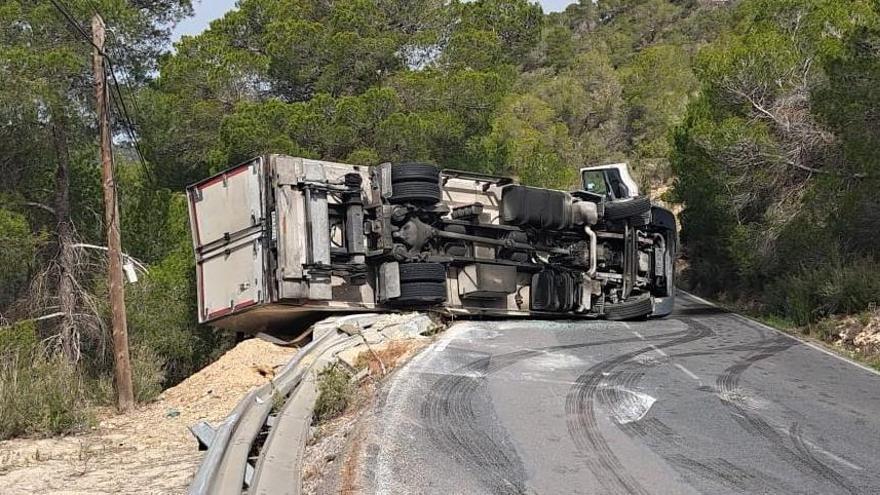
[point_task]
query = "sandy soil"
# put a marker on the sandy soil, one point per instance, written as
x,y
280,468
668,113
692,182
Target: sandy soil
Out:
x,y
150,451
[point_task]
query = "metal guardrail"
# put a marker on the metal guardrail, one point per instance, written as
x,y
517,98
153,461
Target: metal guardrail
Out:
x,y
280,464
225,468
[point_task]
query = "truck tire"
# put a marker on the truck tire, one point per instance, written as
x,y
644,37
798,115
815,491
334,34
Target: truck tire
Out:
x,y
640,221
421,293
415,191
636,209
422,272
629,310
421,172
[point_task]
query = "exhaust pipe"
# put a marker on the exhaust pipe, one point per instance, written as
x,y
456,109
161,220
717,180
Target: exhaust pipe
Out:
x,y
594,251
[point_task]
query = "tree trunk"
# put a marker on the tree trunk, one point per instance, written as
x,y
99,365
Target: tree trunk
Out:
x,y
66,256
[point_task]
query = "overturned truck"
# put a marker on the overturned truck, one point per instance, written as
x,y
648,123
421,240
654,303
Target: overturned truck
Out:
x,y
279,237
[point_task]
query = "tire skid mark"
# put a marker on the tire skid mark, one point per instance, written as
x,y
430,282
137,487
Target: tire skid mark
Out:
x,y
450,411
728,381
583,425
654,428
720,470
760,345
714,470
459,426
798,456
800,446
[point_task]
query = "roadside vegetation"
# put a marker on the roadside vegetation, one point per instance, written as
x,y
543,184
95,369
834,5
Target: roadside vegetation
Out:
x,y
776,162
760,113
335,393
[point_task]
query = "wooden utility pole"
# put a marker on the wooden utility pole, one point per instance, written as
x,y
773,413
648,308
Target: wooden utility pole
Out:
x,y
124,391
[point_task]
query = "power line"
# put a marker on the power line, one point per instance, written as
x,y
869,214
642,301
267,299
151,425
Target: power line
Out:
x,y
60,7
129,124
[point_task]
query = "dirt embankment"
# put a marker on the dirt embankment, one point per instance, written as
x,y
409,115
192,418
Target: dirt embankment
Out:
x,y
860,335
150,451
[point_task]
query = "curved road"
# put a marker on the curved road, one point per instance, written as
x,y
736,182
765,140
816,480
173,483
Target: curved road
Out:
x,y
702,402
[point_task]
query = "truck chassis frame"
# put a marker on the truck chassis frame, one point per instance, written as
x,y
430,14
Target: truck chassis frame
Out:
x,y
280,238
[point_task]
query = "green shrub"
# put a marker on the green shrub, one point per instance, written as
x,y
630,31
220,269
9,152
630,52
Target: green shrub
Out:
x,y
147,373
40,394
335,392
17,256
853,287
147,376
18,336
834,287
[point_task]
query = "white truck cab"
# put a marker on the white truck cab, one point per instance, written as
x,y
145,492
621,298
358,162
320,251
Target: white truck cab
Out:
x,y
612,181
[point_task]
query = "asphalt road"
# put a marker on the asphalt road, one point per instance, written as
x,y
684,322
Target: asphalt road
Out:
x,y
701,402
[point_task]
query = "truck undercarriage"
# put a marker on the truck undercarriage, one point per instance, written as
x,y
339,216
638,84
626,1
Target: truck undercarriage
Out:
x,y
280,237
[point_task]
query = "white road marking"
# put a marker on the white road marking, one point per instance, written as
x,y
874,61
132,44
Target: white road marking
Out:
x,y
658,350
785,432
832,456
679,366
802,341
687,372
700,299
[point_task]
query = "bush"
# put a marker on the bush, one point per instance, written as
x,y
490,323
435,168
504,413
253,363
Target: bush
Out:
x,y
147,373
147,376
835,287
18,336
16,257
40,394
335,392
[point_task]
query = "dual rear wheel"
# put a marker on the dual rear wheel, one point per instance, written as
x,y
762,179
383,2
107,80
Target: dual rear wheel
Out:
x,y
415,183
422,284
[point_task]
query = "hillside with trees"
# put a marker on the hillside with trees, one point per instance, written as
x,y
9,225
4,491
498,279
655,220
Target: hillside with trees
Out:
x,y
777,159
760,112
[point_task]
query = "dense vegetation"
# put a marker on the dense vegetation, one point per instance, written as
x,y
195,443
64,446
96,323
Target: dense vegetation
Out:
x,y
762,112
777,159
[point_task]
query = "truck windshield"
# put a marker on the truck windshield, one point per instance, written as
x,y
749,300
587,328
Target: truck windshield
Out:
x,y
594,182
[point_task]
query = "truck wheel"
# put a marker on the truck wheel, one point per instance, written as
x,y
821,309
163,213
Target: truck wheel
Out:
x,y
629,310
421,293
422,272
640,221
665,303
415,191
423,172
636,209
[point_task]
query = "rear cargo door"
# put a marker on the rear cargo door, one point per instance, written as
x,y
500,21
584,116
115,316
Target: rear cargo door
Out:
x,y
229,227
